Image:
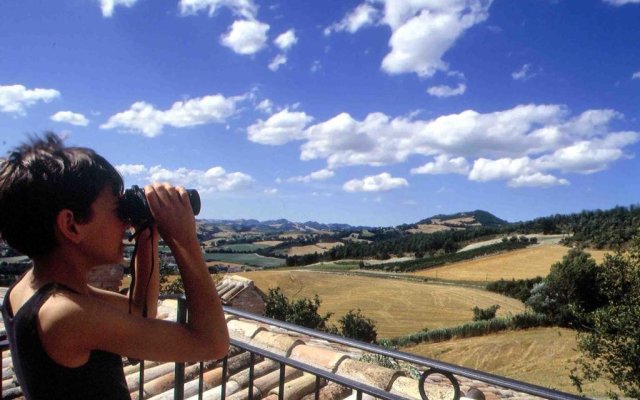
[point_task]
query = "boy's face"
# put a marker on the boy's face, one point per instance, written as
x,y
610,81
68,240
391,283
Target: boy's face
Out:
x,y
105,230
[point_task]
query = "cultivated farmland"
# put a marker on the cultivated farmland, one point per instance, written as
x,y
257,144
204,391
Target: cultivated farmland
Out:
x,y
518,264
313,248
398,307
251,259
542,356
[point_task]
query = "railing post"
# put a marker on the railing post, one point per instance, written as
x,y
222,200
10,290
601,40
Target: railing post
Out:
x,y
223,395
281,383
178,391
252,358
201,381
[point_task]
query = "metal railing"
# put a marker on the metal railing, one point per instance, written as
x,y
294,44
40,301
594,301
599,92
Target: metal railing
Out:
x,y
426,366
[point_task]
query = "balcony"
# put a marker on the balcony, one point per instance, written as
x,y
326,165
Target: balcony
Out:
x,y
270,359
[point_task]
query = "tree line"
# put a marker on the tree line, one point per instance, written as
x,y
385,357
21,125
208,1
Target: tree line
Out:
x,y
600,229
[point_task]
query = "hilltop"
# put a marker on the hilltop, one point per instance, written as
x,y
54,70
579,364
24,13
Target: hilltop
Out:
x,y
461,220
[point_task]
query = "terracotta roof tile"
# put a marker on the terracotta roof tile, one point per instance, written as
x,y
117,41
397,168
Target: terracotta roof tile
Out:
x,y
299,387
320,357
265,383
275,342
246,329
371,374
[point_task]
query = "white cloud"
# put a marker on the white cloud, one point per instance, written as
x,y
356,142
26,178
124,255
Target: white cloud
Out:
x,y
70,118
444,165
636,75
266,106
271,191
320,175
447,91
246,36
586,156
16,98
524,73
215,179
277,61
522,145
377,183
501,169
107,6
131,169
286,40
280,128
146,119
621,2
243,8
363,15
537,180
424,30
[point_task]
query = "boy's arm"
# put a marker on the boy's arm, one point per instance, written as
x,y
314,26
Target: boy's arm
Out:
x,y
147,266
147,286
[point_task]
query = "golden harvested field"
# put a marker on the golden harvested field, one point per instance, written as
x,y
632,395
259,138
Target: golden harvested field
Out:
x,y
398,307
313,248
542,356
518,264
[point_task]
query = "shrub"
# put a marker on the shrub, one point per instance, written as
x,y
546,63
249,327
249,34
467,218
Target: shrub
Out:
x,y
354,325
518,289
484,314
303,312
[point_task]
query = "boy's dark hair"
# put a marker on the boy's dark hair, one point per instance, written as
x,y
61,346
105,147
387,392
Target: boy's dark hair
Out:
x,y
41,178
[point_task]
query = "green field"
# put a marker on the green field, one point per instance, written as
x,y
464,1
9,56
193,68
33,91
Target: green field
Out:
x,y
251,259
243,247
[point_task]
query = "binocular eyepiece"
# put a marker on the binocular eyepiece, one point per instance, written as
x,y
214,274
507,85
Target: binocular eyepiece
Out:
x,y
134,209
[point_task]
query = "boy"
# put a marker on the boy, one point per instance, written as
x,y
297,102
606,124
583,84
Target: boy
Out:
x,y
60,206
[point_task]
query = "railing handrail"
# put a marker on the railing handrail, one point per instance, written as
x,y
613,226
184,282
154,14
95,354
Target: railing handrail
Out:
x,y
486,377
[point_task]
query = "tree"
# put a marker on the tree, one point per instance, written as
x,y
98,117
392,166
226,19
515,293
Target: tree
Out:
x,y
303,312
276,305
610,348
170,282
570,292
355,325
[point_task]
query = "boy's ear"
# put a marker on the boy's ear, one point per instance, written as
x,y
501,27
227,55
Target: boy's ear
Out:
x,y
67,226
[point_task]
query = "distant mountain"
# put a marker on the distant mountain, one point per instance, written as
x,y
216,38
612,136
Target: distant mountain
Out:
x,y
464,220
272,226
485,218
439,222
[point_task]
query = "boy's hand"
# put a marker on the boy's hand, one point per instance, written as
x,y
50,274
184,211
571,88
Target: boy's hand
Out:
x,y
172,212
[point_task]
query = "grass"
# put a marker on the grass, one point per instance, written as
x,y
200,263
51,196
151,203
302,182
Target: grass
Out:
x,y
398,307
244,247
542,356
333,266
251,259
517,264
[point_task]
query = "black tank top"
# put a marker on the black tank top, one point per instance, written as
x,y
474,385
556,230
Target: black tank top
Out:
x,y
40,377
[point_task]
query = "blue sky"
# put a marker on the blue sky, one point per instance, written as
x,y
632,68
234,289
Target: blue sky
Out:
x,y
374,112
